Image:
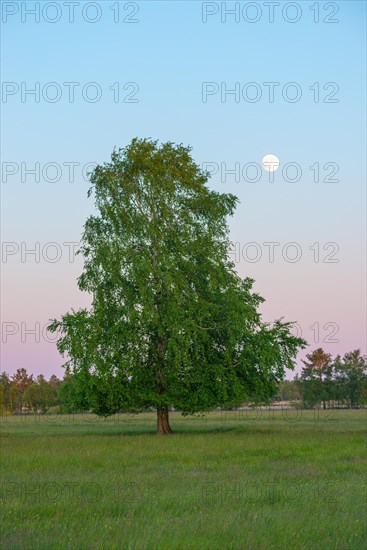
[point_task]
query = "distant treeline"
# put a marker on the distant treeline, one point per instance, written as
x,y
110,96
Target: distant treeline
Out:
x,y
324,382
23,393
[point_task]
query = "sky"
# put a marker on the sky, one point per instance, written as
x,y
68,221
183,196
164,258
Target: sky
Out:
x,y
236,81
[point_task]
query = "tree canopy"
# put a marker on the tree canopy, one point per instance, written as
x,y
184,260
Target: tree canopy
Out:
x,y
316,376
171,323
338,382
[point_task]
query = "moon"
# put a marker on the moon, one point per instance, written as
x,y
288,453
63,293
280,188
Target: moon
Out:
x,y
270,163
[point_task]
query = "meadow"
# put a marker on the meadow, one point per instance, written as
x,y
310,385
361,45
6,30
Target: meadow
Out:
x,y
229,480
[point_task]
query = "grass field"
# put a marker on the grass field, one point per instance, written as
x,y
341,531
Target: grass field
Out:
x,y
267,480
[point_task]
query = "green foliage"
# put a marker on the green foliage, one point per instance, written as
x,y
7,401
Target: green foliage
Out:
x,y
5,394
288,390
15,388
351,378
22,393
316,378
338,382
171,322
40,395
69,398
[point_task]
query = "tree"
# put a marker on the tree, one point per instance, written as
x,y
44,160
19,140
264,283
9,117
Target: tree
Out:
x,y
316,377
69,398
20,382
351,378
171,322
288,390
40,395
6,396
54,382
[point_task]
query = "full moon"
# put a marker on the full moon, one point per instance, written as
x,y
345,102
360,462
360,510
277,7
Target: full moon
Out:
x,y
270,163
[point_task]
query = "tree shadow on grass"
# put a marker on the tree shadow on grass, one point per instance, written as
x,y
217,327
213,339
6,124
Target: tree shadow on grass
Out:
x,y
152,432
205,430
194,431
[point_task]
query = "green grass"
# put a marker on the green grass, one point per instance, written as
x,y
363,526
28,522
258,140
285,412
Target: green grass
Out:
x,y
227,481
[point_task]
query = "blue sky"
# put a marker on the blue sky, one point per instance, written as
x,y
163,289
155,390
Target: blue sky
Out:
x,y
168,54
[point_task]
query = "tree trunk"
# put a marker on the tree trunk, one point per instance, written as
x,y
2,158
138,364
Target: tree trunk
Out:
x,y
163,427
